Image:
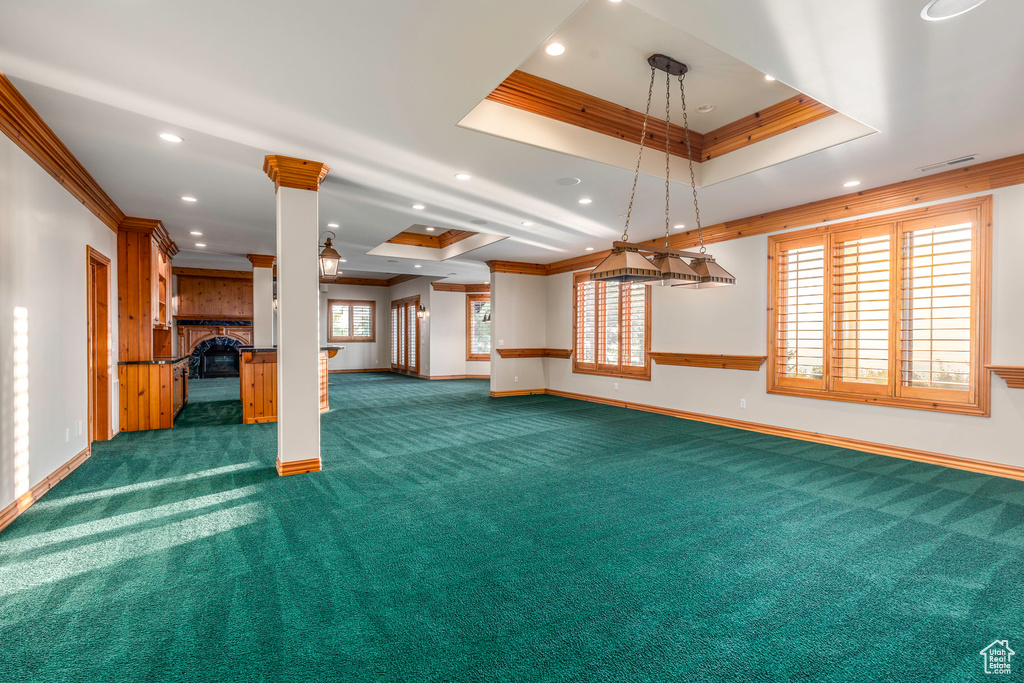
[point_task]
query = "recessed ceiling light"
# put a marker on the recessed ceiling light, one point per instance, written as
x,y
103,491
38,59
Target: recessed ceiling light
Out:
x,y
680,226
586,200
567,182
462,176
615,0
196,233
200,244
429,229
527,223
769,78
171,137
189,199
937,10
705,108
417,266
332,225
851,183
343,260
418,207
555,49
589,249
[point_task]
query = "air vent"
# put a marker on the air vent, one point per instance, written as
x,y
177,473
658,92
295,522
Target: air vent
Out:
x,y
946,164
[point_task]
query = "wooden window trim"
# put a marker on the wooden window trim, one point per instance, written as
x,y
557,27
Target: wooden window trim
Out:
x,y
604,369
978,399
470,298
351,303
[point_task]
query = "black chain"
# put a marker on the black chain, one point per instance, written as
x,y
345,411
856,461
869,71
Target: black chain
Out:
x,y
636,173
689,156
668,139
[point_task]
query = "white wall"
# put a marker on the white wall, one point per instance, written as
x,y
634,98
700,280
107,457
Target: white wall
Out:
x,y
359,355
43,234
448,337
733,320
519,320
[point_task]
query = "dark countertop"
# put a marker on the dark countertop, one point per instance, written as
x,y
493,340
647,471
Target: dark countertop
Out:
x,y
157,360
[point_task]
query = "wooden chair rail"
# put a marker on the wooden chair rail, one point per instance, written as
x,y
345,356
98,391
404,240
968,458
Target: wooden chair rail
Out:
x,y
1013,374
704,360
535,353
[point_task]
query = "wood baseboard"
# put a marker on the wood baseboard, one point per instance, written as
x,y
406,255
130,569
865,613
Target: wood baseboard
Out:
x,y
339,372
287,467
518,392
455,376
954,461
25,501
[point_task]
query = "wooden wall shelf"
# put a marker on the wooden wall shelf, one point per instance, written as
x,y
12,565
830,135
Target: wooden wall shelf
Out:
x,y
1013,374
535,353
704,360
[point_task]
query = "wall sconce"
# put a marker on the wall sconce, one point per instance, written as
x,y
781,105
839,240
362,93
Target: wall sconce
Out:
x,y
329,258
421,312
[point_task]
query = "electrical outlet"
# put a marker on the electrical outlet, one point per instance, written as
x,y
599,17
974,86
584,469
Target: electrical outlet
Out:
x,y
67,435
79,428
743,403
616,386
517,379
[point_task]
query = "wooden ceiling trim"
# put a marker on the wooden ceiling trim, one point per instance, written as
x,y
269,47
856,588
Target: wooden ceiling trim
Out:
x,y
517,267
555,101
23,125
450,287
784,116
450,237
416,239
358,281
399,279
212,272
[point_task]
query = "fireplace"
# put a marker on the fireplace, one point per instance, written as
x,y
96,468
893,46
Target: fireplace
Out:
x,y
216,357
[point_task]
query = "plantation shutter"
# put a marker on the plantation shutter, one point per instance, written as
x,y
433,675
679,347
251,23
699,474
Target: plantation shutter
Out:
x,y
394,336
861,277
800,314
936,312
612,327
411,337
362,320
339,321
351,321
478,330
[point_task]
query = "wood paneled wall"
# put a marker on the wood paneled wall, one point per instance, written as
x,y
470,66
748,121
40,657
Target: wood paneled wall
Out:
x,y
217,297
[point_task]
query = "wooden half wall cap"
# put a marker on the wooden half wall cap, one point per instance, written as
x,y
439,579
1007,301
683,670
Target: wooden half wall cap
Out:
x,y
262,260
300,174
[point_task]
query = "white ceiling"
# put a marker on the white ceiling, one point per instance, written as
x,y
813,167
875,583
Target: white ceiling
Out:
x,y
376,90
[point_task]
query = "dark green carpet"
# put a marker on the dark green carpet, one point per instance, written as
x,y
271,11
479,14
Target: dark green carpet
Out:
x,y
454,537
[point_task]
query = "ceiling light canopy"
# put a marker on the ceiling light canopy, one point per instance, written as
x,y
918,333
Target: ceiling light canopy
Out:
x,y
555,49
171,137
937,10
666,266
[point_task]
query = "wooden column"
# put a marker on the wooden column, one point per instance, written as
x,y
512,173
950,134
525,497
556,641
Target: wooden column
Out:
x,y
262,299
296,182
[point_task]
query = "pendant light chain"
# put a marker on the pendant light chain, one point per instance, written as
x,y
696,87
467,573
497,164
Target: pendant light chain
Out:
x,y
636,173
668,140
689,156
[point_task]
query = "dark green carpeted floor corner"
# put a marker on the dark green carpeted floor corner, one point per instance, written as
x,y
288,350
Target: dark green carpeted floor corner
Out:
x,y
455,537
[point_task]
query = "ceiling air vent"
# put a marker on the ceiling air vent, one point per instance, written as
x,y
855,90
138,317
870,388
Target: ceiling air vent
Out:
x,y
951,162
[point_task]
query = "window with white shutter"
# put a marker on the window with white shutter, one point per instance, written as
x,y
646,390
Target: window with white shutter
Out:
x,y
478,327
612,328
351,321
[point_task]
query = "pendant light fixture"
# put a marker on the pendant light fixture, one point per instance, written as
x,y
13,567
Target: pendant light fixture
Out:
x,y
329,258
627,263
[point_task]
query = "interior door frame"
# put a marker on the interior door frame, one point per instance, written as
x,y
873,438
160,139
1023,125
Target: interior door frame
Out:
x,y
98,350
404,306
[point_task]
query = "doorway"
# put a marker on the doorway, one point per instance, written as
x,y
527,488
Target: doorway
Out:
x,y
405,335
100,353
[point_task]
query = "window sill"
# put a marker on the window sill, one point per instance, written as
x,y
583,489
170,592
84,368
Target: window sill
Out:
x,y
981,409
479,357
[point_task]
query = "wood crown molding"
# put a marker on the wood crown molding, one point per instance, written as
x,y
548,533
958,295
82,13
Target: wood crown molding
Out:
x,y
152,227
261,260
300,174
418,239
25,500
287,467
954,461
990,175
704,360
534,353
23,125
399,279
211,272
368,281
448,287
555,101
1013,374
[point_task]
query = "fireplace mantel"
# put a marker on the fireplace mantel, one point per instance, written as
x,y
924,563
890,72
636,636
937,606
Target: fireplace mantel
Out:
x,y
191,333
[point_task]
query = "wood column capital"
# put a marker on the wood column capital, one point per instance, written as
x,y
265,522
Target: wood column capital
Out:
x,y
262,260
151,226
300,174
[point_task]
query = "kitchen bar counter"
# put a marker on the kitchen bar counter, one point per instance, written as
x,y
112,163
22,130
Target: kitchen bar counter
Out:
x,y
153,392
258,382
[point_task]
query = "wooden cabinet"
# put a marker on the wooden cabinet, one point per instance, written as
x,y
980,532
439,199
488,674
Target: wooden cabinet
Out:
x,y
152,393
258,383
